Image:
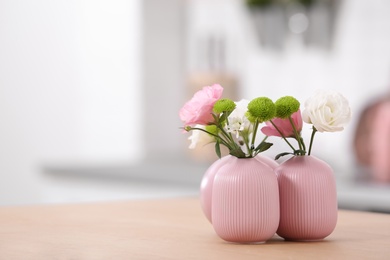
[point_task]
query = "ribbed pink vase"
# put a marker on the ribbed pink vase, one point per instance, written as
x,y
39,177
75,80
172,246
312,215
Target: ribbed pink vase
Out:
x,y
245,201
308,199
206,185
207,182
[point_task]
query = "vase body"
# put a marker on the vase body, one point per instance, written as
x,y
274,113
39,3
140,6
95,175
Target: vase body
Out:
x,y
308,199
245,201
268,161
206,185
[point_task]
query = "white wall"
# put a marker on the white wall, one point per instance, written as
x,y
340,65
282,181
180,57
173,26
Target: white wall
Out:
x,y
163,78
110,58
69,87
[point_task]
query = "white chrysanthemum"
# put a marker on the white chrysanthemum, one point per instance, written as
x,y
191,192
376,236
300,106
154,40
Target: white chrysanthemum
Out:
x,y
238,122
327,110
200,138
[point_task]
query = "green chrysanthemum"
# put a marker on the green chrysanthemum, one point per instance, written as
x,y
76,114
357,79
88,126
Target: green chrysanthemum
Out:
x,y
286,106
251,118
224,105
261,109
212,129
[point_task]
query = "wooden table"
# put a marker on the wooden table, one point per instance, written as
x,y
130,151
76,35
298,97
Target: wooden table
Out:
x,y
168,229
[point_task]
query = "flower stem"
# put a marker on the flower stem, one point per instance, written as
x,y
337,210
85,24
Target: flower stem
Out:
x,y
262,141
282,135
227,136
297,136
246,141
254,137
216,136
311,139
303,143
230,134
232,144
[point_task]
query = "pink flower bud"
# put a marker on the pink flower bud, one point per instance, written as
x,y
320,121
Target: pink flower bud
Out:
x,y
284,126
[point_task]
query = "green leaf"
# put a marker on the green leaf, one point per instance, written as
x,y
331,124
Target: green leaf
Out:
x,y
237,152
263,146
282,154
216,119
218,149
223,117
299,152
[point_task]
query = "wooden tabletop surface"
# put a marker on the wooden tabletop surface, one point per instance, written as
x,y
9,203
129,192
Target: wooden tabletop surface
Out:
x,y
168,229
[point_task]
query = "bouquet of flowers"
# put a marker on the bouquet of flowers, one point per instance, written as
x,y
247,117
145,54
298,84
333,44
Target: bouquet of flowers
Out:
x,y
213,119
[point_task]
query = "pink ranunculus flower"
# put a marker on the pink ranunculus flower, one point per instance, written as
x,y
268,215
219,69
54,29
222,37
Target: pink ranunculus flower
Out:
x,y
199,109
284,126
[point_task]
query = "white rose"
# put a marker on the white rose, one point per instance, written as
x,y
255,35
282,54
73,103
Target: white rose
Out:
x,y
327,110
200,138
238,122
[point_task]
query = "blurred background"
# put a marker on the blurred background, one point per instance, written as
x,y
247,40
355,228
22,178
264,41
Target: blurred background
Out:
x,y
90,90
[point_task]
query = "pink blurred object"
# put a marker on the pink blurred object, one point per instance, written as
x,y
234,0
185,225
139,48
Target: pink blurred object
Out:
x,y
380,143
208,181
245,201
372,140
308,199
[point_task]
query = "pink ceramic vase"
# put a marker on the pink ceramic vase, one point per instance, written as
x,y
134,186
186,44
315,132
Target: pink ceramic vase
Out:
x,y
206,185
207,182
245,201
308,199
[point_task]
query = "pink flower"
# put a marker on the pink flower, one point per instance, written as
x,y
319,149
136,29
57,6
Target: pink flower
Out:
x,y
284,126
199,109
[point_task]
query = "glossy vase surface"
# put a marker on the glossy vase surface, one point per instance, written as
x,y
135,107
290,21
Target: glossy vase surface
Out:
x,y
308,198
245,201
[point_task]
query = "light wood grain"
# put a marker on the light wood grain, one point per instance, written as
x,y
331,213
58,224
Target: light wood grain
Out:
x,y
168,229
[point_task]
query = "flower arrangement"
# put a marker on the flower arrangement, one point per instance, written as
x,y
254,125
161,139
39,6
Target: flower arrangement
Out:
x,y
235,125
